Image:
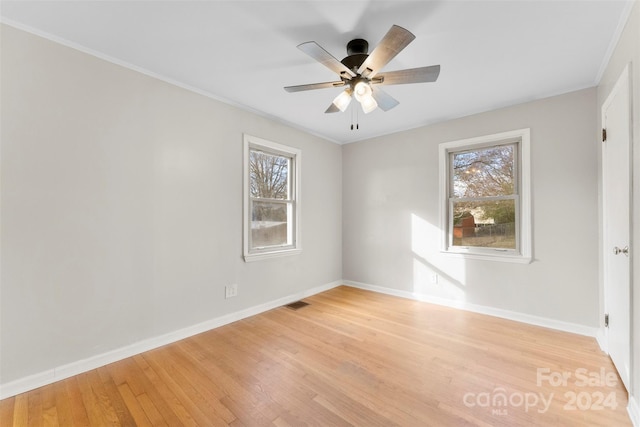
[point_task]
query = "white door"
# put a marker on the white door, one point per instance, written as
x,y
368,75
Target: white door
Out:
x,y
616,160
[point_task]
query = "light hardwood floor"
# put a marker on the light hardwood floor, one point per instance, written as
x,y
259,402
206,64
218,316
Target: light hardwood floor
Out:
x,y
352,357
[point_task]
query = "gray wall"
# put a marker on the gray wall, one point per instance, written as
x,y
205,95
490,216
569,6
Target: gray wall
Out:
x,y
391,234
628,51
122,208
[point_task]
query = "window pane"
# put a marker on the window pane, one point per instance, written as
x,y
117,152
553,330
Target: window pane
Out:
x,y
485,172
270,224
269,175
488,224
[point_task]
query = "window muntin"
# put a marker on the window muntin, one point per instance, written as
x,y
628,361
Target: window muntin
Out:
x,y
485,197
271,199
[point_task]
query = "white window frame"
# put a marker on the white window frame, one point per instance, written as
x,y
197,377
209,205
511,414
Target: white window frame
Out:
x,y
269,147
523,252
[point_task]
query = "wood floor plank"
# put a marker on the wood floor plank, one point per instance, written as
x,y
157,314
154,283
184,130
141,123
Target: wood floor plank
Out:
x,y
351,357
21,410
91,401
127,371
130,372
139,417
284,386
50,417
62,403
151,411
6,411
118,404
194,377
35,408
106,406
169,398
198,407
365,376
243,389
7,407
74,398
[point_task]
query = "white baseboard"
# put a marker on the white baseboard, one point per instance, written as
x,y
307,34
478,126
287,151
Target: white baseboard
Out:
x,y
78,367
601,337
491,311
634,411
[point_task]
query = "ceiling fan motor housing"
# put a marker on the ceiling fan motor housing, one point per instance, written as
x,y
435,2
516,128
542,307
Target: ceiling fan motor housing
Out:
x,y
357,46
357,51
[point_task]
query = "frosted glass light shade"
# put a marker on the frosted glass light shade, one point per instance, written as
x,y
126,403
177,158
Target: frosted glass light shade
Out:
x,y
343,100
361,91
368,104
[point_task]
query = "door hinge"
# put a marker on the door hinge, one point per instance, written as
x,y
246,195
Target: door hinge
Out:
x,y
604,134
606,320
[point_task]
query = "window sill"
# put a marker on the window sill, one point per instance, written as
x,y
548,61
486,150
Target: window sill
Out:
x,y
490,256
273,254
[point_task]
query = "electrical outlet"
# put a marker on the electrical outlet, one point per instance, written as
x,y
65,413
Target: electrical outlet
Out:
x,y
231,291
434,278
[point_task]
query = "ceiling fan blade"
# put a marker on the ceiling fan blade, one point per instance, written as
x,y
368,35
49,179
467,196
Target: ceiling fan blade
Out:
x,y
332,109
411,75
396,39
385,101
315,51
313,86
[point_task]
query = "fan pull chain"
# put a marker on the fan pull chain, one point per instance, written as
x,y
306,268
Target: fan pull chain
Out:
x,y
351,117
353,108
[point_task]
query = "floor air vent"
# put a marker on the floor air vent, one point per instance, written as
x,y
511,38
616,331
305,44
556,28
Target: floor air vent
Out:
x,y
296,305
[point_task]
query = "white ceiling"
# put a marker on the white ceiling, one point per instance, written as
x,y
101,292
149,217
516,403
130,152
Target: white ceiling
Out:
x,y
492,53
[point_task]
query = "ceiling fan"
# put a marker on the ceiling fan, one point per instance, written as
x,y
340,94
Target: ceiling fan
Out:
x,y
359,71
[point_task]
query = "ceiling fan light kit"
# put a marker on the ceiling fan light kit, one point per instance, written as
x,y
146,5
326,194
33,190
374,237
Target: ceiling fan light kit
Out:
x,y
343,100
368,105
364,95
359,71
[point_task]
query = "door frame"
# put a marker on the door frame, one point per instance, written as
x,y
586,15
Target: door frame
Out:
x,y
625,77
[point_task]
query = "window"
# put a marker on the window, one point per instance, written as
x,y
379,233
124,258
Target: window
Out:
x,y
271,201
485,207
